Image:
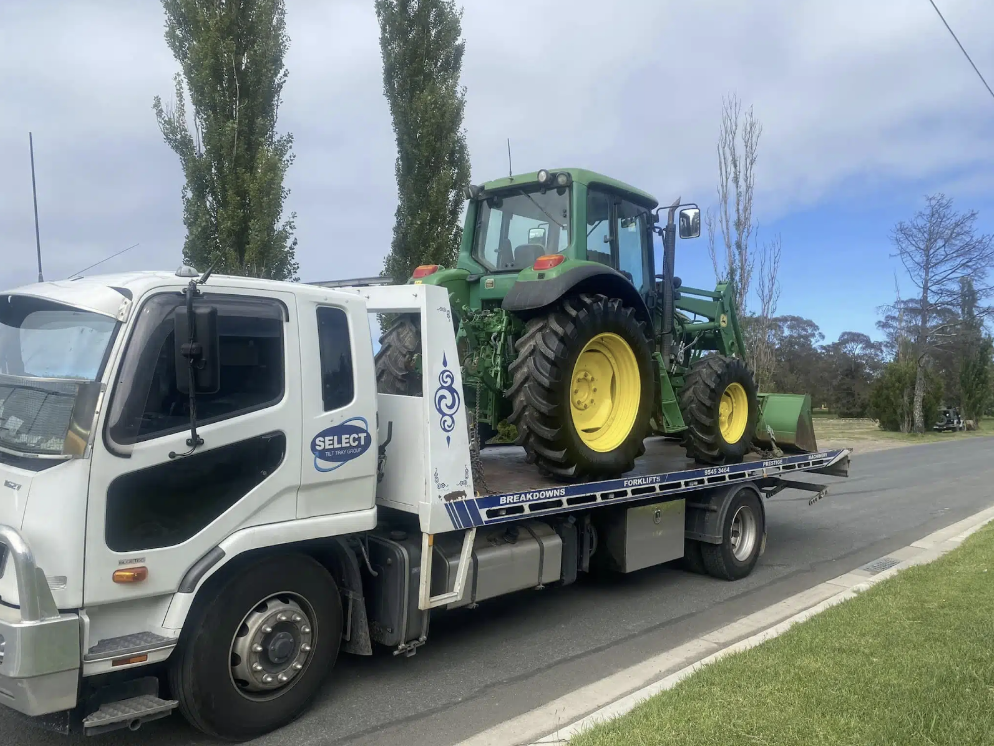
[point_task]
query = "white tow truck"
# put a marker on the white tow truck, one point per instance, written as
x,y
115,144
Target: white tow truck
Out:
x,y
203,499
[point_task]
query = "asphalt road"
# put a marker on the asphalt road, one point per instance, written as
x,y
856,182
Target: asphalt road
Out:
x,y
510,655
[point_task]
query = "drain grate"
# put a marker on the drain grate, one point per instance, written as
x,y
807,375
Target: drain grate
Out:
x,y
884,563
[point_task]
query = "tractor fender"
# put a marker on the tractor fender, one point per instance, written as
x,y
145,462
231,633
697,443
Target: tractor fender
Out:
x,y
705,511
532,295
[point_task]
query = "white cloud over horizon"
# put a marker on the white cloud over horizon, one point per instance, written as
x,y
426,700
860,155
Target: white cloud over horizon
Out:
x,y
855,98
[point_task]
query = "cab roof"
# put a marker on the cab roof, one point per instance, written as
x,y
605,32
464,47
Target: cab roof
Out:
x,y
580,175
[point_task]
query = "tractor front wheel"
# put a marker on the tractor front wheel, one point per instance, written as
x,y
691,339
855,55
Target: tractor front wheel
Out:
x,y
720,408
582,388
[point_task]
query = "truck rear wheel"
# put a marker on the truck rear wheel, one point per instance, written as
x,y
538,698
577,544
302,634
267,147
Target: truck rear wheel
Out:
x,y
742,533
582,388
720,407
254,652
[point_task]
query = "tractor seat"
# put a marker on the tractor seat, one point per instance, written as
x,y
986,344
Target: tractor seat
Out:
x,y
526,254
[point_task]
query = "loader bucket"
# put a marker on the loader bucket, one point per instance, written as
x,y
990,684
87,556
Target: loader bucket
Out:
x,y
789,417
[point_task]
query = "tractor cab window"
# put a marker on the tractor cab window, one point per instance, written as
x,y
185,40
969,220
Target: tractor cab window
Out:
x,y
633,243
617,236
515,228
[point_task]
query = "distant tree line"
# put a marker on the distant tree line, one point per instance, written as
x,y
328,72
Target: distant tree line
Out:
x,y
936,349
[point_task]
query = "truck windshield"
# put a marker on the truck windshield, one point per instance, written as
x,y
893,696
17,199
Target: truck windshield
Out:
x,y
514,228
51,357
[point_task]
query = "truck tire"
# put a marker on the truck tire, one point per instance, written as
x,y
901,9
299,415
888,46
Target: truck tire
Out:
x,y
742,533
720,407
233,679
396,372
693,561
568,427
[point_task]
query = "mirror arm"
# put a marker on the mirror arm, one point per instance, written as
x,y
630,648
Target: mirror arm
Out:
x,y
192,351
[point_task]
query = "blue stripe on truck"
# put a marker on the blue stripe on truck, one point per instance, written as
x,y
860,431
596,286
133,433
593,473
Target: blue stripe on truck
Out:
x,y
509,506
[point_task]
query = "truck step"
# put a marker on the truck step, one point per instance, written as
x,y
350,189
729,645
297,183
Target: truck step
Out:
x,y
127,713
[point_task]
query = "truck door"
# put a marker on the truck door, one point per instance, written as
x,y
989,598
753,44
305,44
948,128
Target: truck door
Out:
x,y
156,501
338,389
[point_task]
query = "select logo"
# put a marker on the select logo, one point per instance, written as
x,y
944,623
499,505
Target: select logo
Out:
x,y
12,485
336,446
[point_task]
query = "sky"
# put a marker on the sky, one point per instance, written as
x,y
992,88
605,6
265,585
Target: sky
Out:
x,y
866,107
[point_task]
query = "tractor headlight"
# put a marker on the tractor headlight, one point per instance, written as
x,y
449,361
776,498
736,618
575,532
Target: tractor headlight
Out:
x,y
543,177
562,179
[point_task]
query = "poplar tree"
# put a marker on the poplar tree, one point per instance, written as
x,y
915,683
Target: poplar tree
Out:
x,y
231,56
422,51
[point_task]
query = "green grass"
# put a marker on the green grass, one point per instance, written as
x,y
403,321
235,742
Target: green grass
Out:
x,y
911,661
856,430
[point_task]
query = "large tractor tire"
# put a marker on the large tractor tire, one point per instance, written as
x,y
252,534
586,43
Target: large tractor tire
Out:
x,y
720,408
582,388
396,372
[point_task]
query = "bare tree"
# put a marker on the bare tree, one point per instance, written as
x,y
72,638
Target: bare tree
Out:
x,y
738,145
768,290
940,248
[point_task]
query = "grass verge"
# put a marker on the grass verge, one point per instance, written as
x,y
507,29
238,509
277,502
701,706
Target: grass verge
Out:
x,y
911,661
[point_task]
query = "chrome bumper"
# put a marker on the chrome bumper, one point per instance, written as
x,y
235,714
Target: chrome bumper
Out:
x,y
39,647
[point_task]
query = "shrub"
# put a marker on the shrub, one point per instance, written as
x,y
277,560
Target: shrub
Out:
x,y
892,396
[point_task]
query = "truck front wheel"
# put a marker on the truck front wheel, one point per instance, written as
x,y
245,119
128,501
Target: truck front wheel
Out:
x,y
254,652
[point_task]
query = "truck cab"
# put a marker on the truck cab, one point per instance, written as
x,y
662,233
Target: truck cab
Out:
x,y
112,512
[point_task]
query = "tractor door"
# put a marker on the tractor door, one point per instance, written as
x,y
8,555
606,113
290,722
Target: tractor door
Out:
x,y
618,236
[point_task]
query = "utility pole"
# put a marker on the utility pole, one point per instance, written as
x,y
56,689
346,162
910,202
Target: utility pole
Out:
x,y
34,195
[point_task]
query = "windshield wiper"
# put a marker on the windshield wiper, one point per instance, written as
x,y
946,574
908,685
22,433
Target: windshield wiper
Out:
x,y
532,199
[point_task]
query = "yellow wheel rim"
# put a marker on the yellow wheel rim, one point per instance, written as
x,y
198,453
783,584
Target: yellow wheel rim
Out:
x,y
605,391
733,413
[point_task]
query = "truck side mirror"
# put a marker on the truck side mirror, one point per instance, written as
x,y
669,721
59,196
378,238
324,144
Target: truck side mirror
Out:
x,y
690,222
203,350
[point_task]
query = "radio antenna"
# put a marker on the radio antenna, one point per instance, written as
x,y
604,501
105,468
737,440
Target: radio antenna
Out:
x,y
77,274
510,172
34,196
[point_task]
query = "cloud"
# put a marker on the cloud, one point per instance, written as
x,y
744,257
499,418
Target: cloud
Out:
x,y
852,95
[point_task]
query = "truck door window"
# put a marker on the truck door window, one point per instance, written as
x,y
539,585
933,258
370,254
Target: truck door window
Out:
x,y
335,346
146,403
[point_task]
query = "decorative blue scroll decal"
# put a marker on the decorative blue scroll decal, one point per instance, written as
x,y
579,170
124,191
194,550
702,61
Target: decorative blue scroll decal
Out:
x,y
447,400
334,447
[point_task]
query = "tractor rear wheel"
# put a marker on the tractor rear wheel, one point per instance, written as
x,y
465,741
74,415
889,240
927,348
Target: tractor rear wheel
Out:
x,y
720,407
396,371
582,388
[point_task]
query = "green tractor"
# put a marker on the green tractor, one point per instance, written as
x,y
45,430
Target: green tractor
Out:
x,y
569,331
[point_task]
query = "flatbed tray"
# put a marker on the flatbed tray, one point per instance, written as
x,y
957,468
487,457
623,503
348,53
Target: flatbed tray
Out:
x,y
515,489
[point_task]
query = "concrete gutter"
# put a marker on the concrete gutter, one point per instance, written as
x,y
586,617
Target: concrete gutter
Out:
x,y
561,719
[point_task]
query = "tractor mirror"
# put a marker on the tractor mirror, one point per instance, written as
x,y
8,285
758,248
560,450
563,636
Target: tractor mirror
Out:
x,y
690,222
537,236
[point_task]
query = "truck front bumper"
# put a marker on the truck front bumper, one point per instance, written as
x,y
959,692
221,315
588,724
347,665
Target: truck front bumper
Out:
x,y
39,647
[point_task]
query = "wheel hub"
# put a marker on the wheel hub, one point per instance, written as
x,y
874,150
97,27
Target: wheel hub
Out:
x,y
744,533
272,645
605,390
733,413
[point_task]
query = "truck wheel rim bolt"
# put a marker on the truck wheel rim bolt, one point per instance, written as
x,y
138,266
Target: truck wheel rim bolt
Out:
x,y
272,645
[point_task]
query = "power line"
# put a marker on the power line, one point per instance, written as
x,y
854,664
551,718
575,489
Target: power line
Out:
x,y
962,49
75,274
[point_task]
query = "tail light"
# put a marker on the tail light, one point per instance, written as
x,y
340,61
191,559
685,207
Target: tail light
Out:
x,y
548,261
426,269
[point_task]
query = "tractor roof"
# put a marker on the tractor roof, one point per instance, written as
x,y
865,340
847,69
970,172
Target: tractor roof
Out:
x,y
578,174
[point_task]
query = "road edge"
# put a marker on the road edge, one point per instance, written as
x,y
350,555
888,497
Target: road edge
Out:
x,y
621,692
